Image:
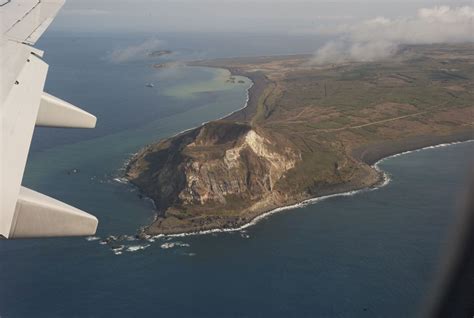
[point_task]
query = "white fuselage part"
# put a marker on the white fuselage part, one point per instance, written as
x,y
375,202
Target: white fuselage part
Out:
x,y
24,104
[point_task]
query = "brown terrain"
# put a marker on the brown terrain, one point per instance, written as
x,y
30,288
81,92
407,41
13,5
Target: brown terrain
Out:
x,y
307,131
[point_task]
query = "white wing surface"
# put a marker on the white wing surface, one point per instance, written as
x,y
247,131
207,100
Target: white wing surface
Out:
x,y
23,104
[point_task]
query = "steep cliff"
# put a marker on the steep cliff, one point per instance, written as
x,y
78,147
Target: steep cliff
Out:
x,y
222,166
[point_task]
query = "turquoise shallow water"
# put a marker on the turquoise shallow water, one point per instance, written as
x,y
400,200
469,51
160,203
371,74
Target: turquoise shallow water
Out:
x,y
373,254
99,160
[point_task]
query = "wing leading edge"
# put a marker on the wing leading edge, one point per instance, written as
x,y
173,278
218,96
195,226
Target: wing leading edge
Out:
x,y
23,104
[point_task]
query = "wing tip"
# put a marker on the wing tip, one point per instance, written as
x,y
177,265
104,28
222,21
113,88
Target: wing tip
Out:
x,y
37,215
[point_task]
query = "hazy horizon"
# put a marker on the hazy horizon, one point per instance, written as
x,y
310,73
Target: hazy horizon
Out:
x,y
357,30
231,16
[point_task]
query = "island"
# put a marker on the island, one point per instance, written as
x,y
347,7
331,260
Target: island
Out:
x,y
160,53
161,65
307,131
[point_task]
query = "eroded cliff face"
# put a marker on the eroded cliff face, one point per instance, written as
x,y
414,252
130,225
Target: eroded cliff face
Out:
x,y
224,164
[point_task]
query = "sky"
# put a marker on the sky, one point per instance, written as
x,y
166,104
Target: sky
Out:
x,y
257,16
382,37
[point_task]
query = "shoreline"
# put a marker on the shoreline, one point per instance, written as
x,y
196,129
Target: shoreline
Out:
x,y
252,98
371,154
259,84
386,179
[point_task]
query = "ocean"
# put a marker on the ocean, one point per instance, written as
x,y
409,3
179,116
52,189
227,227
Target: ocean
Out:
x,y
368,254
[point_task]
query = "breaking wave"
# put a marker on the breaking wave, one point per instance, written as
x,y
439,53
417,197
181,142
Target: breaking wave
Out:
x,y
92,238
135,248
169,245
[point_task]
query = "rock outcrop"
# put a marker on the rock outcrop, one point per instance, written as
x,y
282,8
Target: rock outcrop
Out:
x,y
225,165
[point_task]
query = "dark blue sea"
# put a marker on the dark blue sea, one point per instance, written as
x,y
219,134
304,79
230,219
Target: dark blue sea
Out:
x,y
370,254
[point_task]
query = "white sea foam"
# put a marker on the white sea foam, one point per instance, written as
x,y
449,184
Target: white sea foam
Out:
x,y
121,180
169,245
134,248
92,238
166,246
126,162
157,236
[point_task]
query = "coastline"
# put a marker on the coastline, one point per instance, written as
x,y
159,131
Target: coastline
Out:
x,y
383,182
371,155
259,83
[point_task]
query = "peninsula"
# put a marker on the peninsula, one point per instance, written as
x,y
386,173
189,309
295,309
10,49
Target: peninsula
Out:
x,y
307,131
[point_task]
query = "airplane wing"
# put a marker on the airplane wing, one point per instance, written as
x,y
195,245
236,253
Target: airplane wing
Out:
x,y
23,104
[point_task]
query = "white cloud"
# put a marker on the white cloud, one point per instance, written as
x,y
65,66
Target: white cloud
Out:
x,y
134,52
379,38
